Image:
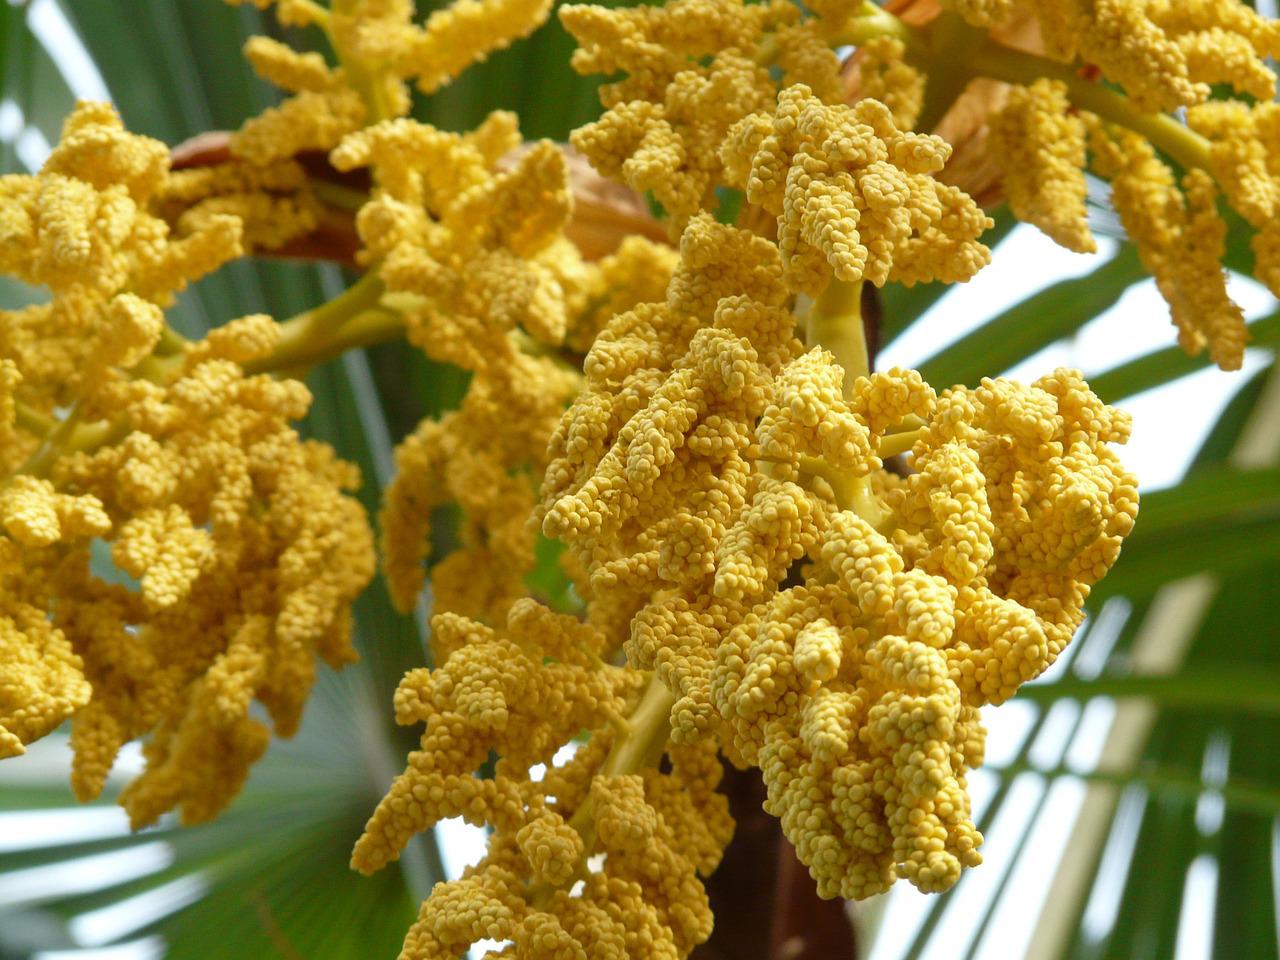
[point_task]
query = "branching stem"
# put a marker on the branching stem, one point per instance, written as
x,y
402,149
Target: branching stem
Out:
x,y
835,323
872,21
338,196
892,444
349,321
953,53
639,745
33,421
42,459
649,729
327,320
366,328
364,78
171,342
1182,144
866,23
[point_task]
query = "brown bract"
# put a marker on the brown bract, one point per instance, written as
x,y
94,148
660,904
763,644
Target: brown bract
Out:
x,y
203,150
333,236
604,213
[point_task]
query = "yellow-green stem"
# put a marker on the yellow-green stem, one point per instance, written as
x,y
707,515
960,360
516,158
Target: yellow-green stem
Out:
x,y
362,330
41,461
322,322
88,437
866,23
1186,147
171,342
339,197
892,444
851,493
944,56
817,467
952,53
294,355
835,323
364,78
351,319
649,728
33,421
871,21
639,745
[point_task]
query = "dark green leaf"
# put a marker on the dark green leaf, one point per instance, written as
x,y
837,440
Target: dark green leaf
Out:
x,y
1149,562
1209,495
1245,689
1162,366
1034,323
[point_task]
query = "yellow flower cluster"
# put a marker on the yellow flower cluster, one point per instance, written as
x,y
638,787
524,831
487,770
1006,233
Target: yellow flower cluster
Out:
x,y
1181,239
857,693
854,195
1033,129
230,554
1040,144
653,373
493,484
275,203
474,257
479,248
1244,158
42,679
83,230
695,106
247,557
708,460
526,693
1164,53
884,74
449,41
323,108
379,46
171,550
694,68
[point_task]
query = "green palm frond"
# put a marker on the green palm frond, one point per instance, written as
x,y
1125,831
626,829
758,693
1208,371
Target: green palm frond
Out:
x,y
268,878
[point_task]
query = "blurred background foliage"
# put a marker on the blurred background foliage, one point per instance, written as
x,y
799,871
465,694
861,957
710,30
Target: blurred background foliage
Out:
x,y
1168,830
